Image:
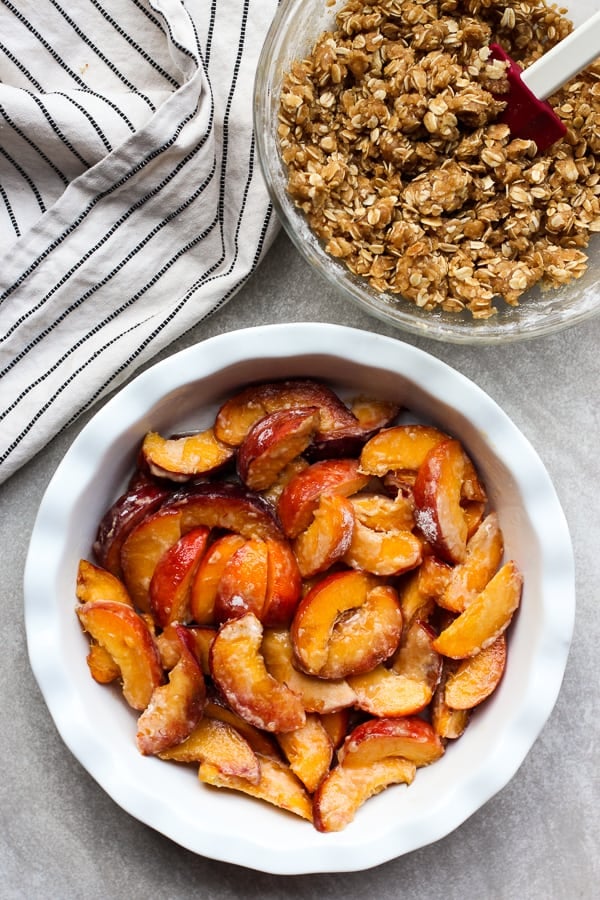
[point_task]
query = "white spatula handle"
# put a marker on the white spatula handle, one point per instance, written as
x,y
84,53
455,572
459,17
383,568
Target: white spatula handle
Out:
x,y
548,73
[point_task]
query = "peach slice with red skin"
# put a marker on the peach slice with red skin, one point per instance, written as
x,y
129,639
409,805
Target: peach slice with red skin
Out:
x,y
309,752
327,538
477,677
277,785
176,707
284,584
220,744
96,583
437,493
372,413
406,687
204,587
239,413
328,628
142,498
482,559
102,666
273,442
346,788
293,468
486,617
181,458
409,737
243,584
262,743
169,645
382,552
239,672
300,497
171,581
318,694
449,724
383,513
124,634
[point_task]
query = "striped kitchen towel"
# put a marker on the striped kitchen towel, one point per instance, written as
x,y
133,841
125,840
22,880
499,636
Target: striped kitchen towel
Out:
x,y
131,201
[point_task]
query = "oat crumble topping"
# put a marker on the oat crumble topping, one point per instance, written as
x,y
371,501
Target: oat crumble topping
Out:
x,y
389,133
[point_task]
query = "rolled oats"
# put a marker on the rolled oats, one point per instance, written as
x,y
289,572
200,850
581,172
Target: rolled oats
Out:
x,y
389,132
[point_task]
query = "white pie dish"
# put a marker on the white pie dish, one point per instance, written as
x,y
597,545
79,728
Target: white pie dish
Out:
x,y
100,730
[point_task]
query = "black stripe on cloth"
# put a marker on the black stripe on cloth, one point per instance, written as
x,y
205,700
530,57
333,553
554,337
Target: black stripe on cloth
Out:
x,y
25,178
114,107
83,259
10,212
22,69
136,169
131,359
57,131
90,118
102,283
132,43
211,30
166,27
43,409
35,147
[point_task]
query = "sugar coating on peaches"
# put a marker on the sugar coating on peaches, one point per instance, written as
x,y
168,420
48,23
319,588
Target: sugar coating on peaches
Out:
x,y
306,601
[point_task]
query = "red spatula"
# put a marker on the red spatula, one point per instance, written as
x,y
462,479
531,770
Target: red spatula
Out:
x,y
528,115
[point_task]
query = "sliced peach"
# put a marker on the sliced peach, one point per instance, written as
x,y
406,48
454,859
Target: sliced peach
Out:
x,y
437,493
399,447
382,552
383,692
182,458
383,513
318,695
229,506
485,618
329,627
239,413
243,584
301,496
273,442
327,538
482,558
336,724
403,448
220,744
262,743
448,723
96,583
102,666
409,737
373,414
309,752
239,672
141,498
416,656
346,788
284,584
171,581
477,677
293,468
208,575
277,785
169,645
175,708
434,575
126,637
143,548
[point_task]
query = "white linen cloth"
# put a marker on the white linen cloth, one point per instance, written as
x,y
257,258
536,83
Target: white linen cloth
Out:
x,y
131,201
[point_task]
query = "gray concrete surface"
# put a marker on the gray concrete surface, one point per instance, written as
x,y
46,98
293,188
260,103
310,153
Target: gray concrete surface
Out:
x,y
62,837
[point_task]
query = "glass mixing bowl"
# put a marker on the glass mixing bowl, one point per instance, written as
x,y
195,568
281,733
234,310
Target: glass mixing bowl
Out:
x,y
296,26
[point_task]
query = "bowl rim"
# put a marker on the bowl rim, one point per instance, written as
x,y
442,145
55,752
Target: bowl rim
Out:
x,y
45,627
435,325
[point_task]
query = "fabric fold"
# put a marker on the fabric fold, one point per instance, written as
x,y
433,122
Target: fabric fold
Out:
x,y
123,225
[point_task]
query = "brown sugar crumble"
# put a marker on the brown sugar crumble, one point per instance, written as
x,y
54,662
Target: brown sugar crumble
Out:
x,y
388,130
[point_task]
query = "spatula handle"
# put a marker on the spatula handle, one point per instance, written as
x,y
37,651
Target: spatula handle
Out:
x,y
547,74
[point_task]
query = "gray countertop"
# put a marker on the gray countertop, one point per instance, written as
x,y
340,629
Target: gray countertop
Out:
x,y
63,837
